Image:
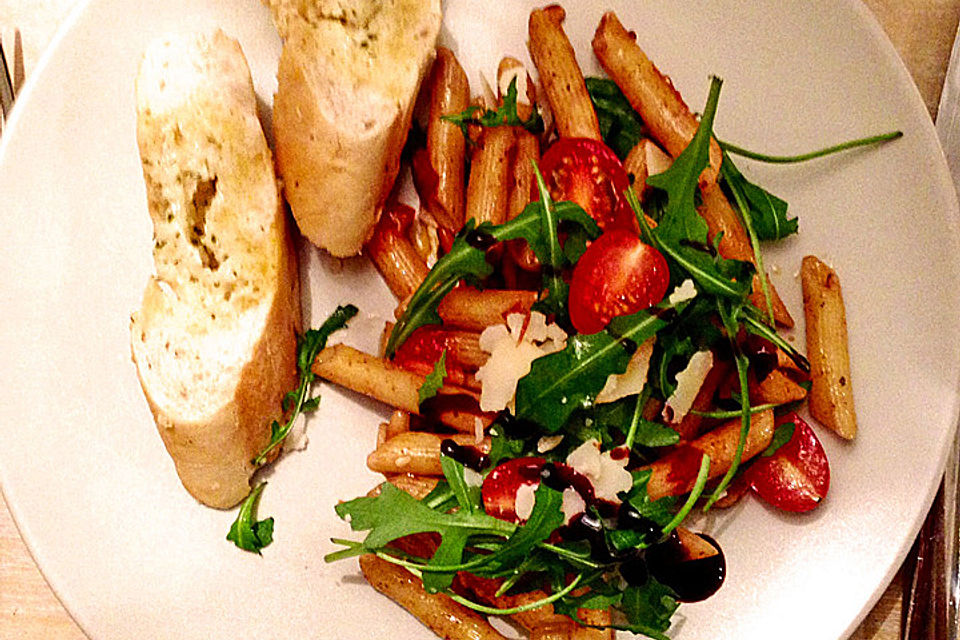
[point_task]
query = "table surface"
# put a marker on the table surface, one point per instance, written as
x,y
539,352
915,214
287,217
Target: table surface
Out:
x,y
922,32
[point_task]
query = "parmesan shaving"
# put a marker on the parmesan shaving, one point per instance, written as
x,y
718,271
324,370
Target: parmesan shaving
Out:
x,y
631,381
513,347
689,382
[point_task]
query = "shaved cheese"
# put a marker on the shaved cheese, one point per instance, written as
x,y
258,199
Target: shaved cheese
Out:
x,y
548,443
608,476
512,348
689,382
573,504
684,291
631,381
525,498
472,478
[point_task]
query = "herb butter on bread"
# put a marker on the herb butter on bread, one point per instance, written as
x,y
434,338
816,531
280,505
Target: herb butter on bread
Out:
x,y
346,85
214,341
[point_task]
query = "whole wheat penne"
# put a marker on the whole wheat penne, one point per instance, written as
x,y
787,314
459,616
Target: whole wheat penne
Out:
x,y
522,188
488,185
416,486
560,75
735,245
598,617
649,92
776,388
485,590
443,616
675,473
416,452
460,413
831,391
449,94
695,547
393,254
644,160
370,376
470,308
399,422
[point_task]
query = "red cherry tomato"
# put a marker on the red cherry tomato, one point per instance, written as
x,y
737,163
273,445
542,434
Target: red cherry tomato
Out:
x,y
499,491
421,351
617,275
589,173
797,476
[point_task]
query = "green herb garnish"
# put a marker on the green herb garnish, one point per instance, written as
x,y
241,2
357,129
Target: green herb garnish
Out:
x,y
247,532
296,401
504,116
434,380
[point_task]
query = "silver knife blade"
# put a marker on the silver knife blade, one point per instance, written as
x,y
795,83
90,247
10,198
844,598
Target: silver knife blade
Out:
x,y
948,114
6,86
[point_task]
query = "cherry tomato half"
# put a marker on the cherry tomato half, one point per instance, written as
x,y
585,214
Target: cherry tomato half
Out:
x,y
589,173
617,275
499,490
797,476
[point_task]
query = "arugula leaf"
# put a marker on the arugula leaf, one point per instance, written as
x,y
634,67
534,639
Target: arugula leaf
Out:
x,y
466,260
781,436
681,234
543,521
247,532
660,511
467,495
395,513
434,379
504,116
553,259
648,608
620,126
767,212
296,401
564,381
729,313
729,147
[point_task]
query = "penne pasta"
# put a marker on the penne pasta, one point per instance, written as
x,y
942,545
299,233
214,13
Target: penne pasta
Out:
x,y
650,93
449,94
734,244
442,615
397,260
675,473
560,75
469,308
416,452
488,186
370,376
831,391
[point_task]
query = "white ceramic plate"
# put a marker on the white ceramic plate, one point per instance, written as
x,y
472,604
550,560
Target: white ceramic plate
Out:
x,y
133,556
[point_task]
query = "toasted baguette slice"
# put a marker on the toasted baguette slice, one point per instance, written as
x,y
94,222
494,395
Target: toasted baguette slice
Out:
x,y
215,339
348,76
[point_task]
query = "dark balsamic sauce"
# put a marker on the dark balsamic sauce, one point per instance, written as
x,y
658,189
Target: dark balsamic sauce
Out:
x,y
691,580
517,427
762,355
480,240
470,457
629,518
561,476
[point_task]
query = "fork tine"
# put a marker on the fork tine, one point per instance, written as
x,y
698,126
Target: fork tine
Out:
x,y
6,86
18,72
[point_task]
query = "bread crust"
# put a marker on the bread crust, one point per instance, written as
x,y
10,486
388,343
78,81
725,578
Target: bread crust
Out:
x,y
214,341
348,76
